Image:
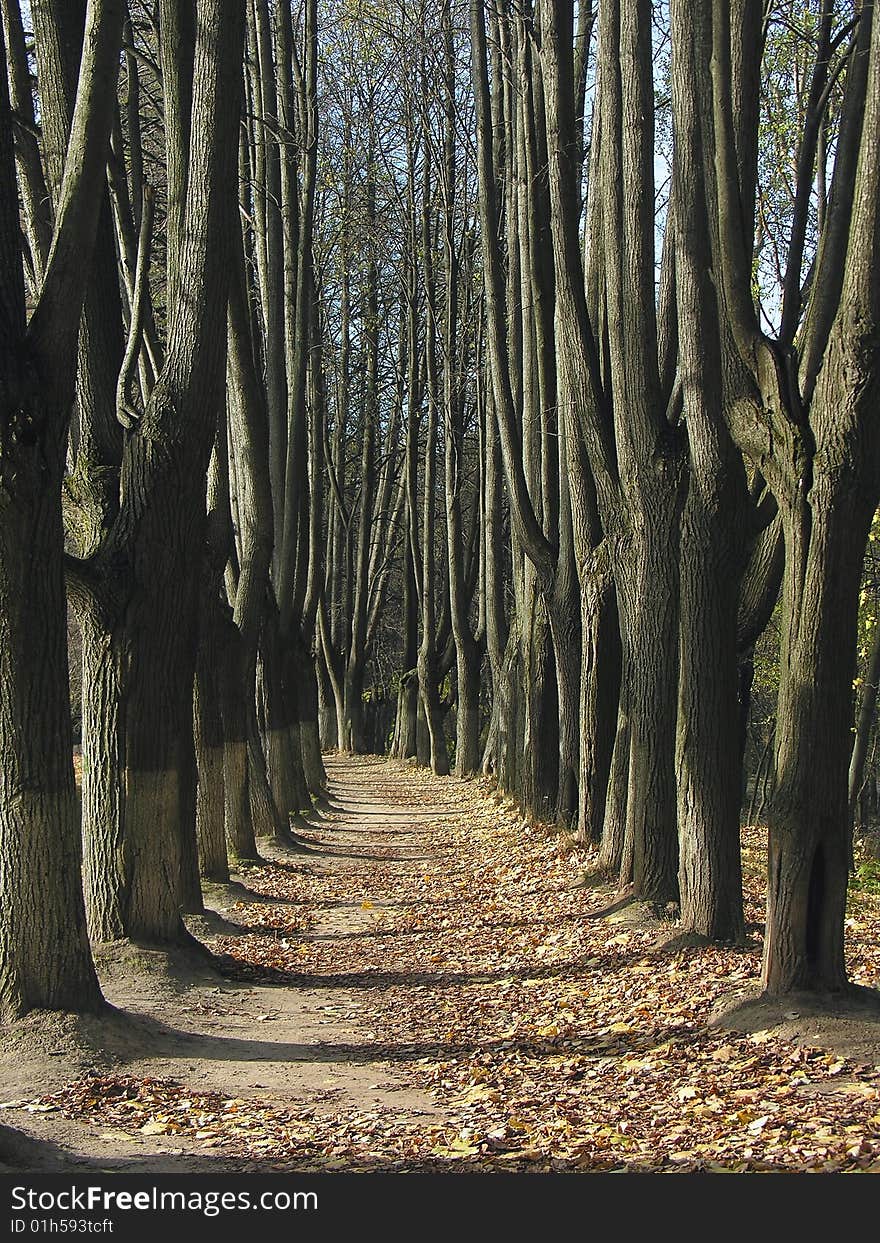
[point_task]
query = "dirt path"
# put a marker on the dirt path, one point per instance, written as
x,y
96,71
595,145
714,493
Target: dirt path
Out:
x,y
423,988
309,1048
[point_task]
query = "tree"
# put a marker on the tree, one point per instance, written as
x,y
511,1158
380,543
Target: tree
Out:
x,y
804,421
142,571
44,954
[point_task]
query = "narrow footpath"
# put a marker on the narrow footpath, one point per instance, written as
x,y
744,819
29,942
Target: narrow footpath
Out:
x,y
425,987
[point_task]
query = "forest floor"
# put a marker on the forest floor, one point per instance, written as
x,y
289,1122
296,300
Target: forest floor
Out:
x,y
429,987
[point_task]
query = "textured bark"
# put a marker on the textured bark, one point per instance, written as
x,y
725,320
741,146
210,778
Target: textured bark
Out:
x,y
648,590
44,953
209,744
104,850
244,809
709,756
708,750
809,845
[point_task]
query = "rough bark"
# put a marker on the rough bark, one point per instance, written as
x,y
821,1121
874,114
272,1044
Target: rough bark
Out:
x,y
44,954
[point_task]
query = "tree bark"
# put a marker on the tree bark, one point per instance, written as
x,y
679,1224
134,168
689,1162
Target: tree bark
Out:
x,y
44,953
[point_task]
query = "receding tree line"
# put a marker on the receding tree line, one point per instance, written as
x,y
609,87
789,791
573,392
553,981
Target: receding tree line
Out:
x,y
463,381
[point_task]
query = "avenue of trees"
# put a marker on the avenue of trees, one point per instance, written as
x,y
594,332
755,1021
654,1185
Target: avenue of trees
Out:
x,y
469,380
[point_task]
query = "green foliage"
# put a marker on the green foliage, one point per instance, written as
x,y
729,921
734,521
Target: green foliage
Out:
x,y
866,878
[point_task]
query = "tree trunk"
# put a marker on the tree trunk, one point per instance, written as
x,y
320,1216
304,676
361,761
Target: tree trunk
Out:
x,y
282,734
538,773
307,683
708,756
327,732
158,629
648,591
104,850
209,743
600,690
236,682
612,854
809,838
44,951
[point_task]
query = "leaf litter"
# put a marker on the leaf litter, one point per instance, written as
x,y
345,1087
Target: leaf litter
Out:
x,y
549,1041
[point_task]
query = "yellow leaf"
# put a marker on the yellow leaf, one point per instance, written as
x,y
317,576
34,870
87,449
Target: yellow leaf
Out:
x,y
724,1054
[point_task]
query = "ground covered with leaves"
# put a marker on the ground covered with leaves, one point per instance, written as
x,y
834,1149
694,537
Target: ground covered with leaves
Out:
x,y
463,948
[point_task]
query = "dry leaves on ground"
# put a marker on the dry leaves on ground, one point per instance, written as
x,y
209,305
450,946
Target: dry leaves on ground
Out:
x,y
549,1040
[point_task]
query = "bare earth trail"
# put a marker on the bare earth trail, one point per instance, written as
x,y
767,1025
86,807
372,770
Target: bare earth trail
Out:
x,y
422,988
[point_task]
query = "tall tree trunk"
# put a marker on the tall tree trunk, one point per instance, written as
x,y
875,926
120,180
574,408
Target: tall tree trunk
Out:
x,y
44,954
160,525
708,751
